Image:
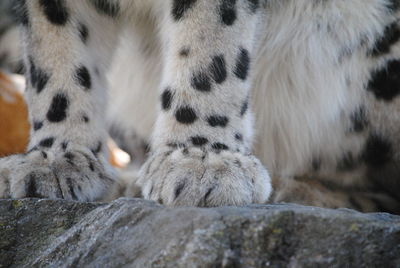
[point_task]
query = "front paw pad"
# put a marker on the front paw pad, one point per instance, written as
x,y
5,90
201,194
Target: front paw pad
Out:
x,y
72,175
193,177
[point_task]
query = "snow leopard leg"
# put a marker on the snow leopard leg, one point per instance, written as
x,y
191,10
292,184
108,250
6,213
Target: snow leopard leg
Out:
x,y
201,146
68,46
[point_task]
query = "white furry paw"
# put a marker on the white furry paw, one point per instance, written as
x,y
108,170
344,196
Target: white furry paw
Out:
x,y
193,177
75,174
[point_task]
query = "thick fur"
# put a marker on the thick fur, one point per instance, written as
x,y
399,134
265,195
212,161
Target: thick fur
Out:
x,y
321,77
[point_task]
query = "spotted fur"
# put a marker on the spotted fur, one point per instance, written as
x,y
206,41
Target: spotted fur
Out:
x,y
321,76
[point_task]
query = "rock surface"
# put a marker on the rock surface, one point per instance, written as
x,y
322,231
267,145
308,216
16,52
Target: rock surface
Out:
x,y
138,233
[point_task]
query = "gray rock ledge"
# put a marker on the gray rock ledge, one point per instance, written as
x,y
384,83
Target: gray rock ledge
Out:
x,y
138,233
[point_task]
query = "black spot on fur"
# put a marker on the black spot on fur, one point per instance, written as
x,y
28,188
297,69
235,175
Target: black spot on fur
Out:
x,y
85,119
109,8
71,188
385,83
38,77
347,163
228,12
44,154
378,151
242,64
199,140
98,148
218,121
83,32
42,80
176,145
179,188
58,108
245,107
253,5
48,142
239,137
208,193
21,12
389,38
37,125
32,71
237,163
166,99
180,7
172,145
83,76
151,190
218,69
201,82
64,145
219,146
359,120
146,148
55,11
91,166
184,52
186,115
70,156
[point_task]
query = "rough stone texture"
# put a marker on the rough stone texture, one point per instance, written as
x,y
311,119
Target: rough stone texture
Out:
x,y
138,233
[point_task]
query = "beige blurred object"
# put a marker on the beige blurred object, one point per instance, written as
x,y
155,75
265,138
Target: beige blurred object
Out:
x,y
14,124
118,158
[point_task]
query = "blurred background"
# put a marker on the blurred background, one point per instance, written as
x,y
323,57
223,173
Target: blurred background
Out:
x,y
14,126
10,57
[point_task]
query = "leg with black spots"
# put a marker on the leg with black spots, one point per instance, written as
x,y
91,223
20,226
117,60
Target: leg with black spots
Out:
x,y
202,139
66,156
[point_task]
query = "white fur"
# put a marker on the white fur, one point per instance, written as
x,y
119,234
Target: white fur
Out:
x,y
302,95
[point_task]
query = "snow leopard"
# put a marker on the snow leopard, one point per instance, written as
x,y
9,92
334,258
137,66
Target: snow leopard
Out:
x,y
219,102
